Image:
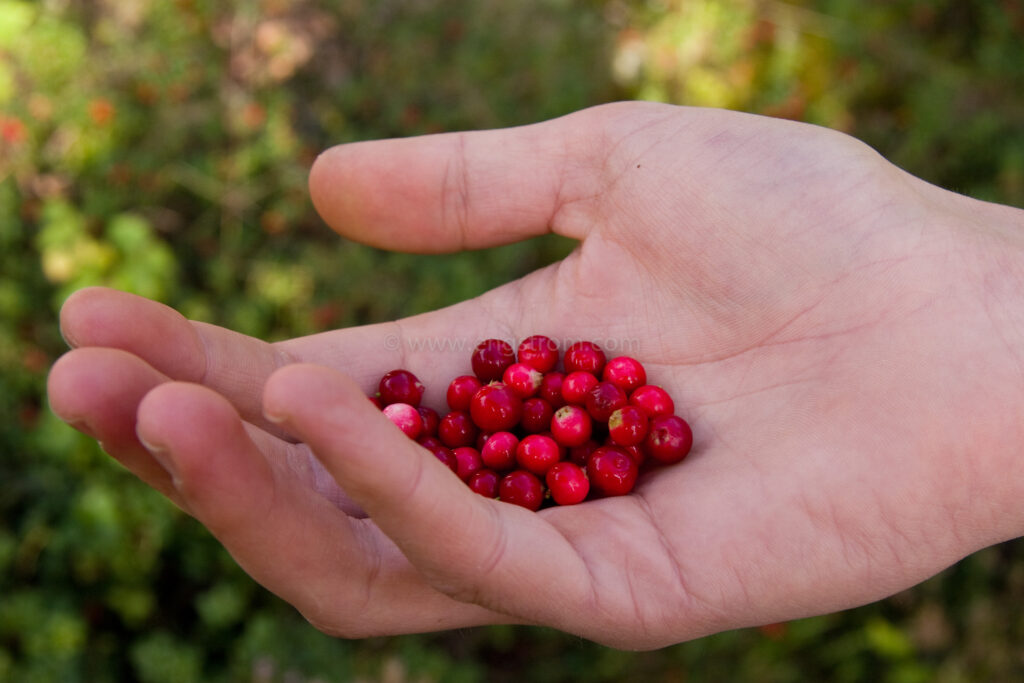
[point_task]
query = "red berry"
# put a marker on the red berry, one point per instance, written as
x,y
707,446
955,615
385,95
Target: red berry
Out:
x,y
624,372
635,452
539,352
537,453
490,358
585,356
523,379
669,439
443,454
611,471
460,392
579,455
469,462
400,386
571,426
568,483
457,429
536,415
375,400
576,386
430,420
499,453
627,426
496,408
485,482
653,400
521,488
551,389
406,418
604,399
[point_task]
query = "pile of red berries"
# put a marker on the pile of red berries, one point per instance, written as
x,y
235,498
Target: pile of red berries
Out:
x,y
517,427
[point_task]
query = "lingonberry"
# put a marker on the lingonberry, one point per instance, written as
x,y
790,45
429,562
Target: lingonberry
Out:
x,y
669,439
539,352
579,455
576,386
537,453
469,462
586,356
457,429
611,471
405,418
551,389
495,408
568,483
499,453
624,372
635,452
430,420
571,426
375,400
400,386
490,358
536,415
653,400
460,392
523,379
485,482
443,454
627,426
604,399
520,487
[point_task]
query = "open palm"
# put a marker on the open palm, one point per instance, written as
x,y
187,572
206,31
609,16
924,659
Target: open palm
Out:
x,y
822,319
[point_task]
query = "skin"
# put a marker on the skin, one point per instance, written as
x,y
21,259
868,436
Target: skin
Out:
x,y
845,339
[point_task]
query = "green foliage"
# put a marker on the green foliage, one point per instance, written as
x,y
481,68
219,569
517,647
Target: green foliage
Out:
x,y
162,148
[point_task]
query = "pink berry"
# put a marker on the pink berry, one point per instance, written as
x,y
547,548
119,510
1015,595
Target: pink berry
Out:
x,y
571,426
568,483
627,426
519,487
461,390
405,418
586,356
669,439
490,358
624,372
653,400
485,482
604,399
430,420
400,386
469,462
523,379
537,453
539,352
496,408
551,389
536,415
611,471
457,429
576,386
499,453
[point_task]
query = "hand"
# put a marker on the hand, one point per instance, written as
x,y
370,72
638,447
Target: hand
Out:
x,y
844,338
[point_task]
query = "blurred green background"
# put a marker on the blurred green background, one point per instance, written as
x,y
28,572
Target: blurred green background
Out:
x,y
161,147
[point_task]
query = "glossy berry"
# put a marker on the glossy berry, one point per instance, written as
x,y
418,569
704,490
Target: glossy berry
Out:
x,y
485,482
523,379
442,453
669,439
400,386
604,399
576,386
551,389
406,418
537,453
490,358
627,426
571,426
653,400
519,487
568,483
430,420
457,429
496,408
611,471
635,452
624,372
579,455
538,352
468,462
536,415
499,452
460,392
586,356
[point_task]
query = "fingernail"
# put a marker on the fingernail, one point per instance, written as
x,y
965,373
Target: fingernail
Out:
x,y
161,455
82,426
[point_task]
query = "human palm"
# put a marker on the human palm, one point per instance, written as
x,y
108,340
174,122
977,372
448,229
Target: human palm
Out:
x,y
801,299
